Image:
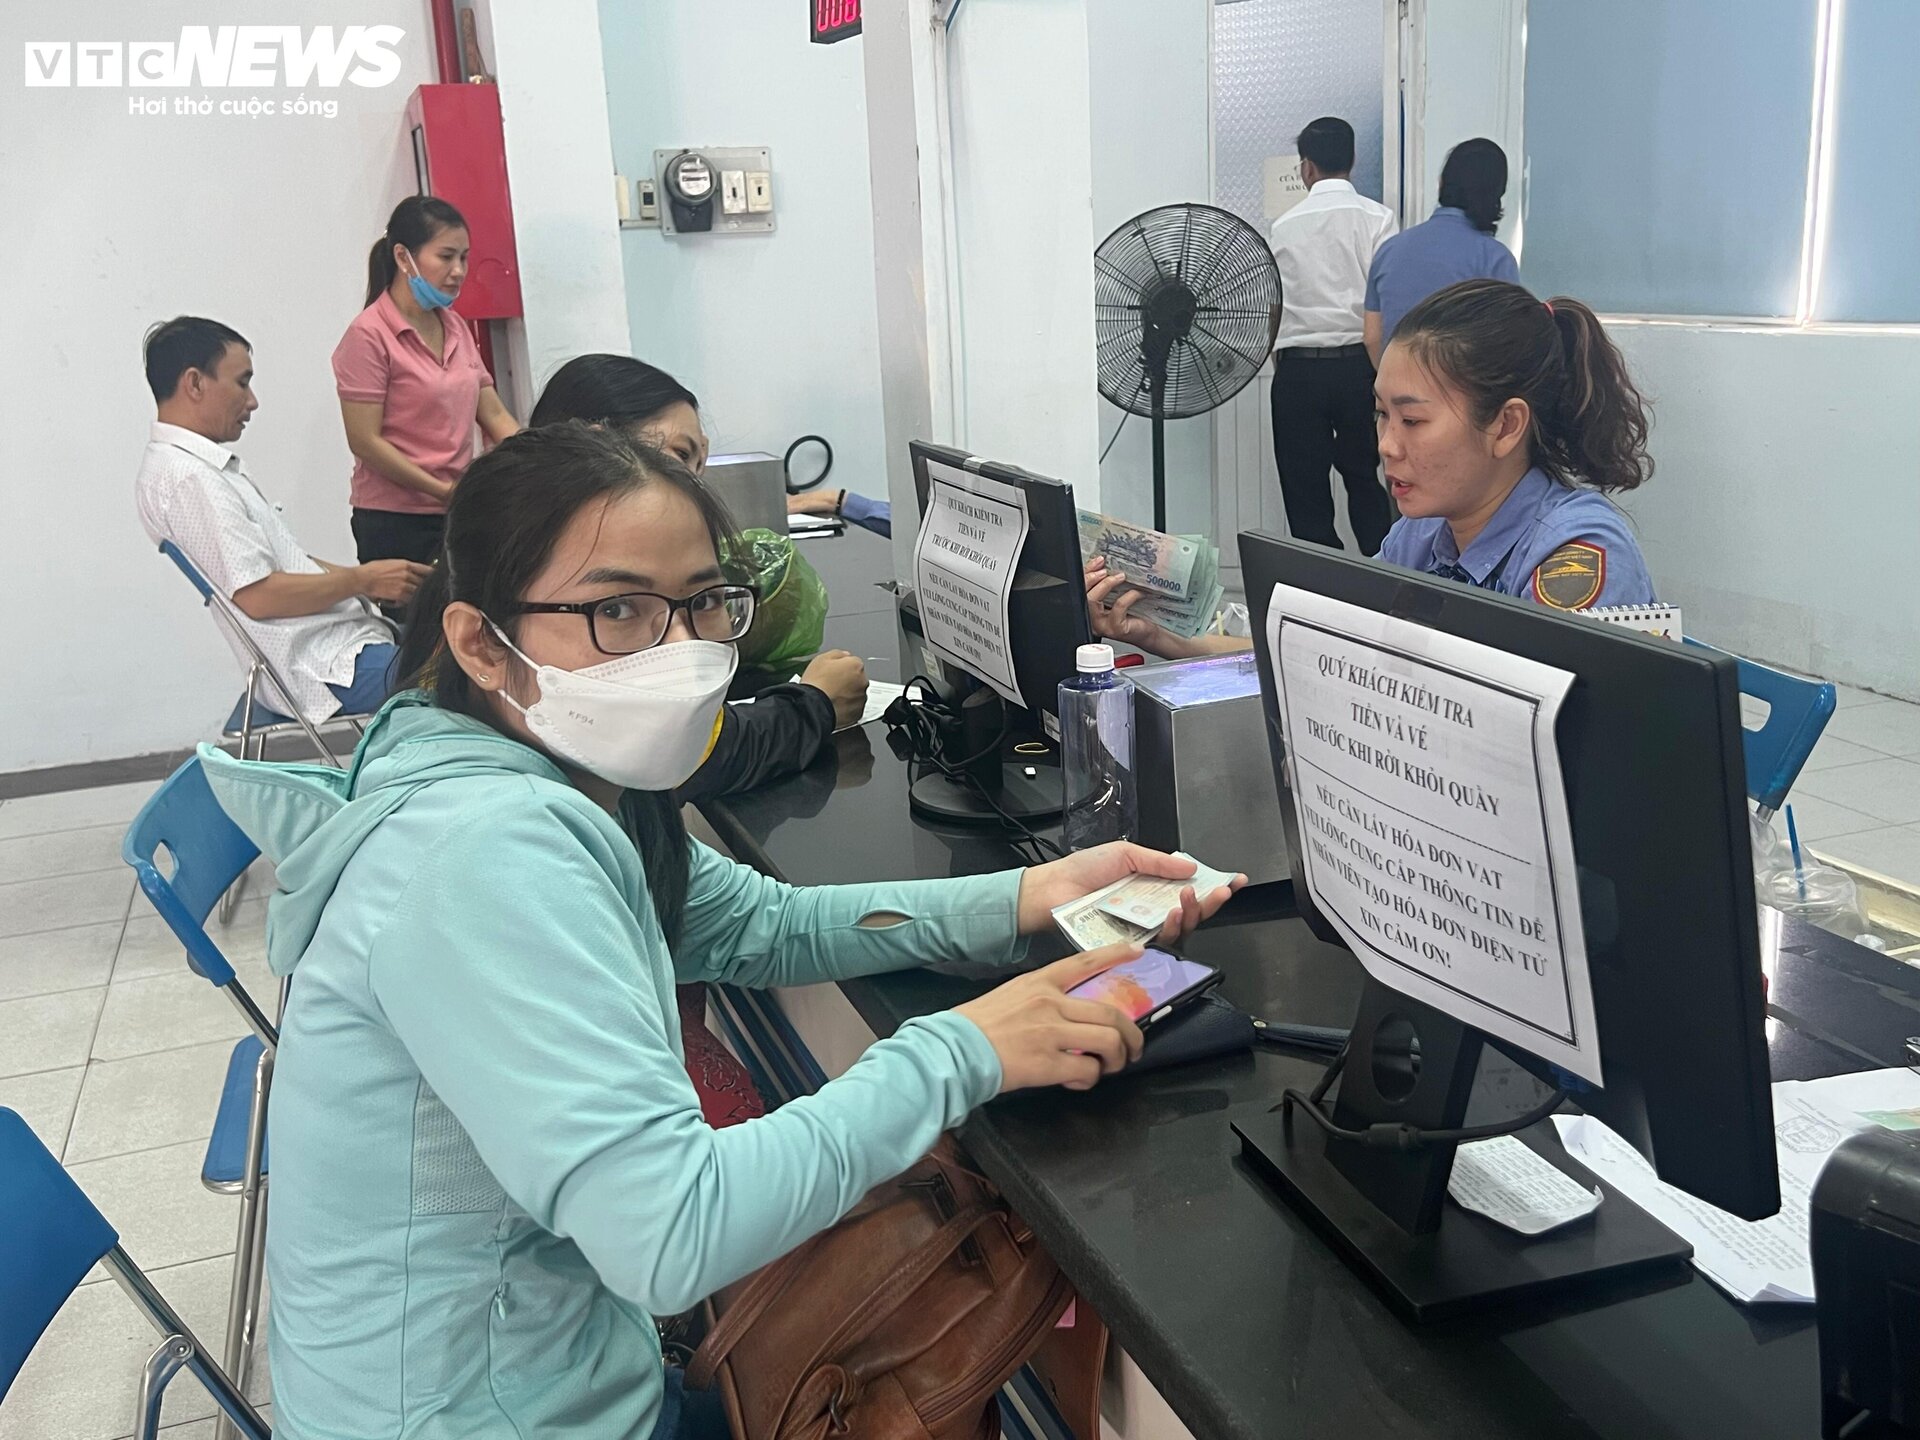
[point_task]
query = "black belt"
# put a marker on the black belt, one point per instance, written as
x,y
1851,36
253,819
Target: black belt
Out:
x,y
1321,352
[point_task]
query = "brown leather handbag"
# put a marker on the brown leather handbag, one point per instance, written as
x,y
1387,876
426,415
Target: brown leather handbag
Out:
x,y
902,1322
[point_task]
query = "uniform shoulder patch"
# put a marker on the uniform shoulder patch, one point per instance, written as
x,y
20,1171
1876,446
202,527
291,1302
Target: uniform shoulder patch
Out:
x,y
1572,577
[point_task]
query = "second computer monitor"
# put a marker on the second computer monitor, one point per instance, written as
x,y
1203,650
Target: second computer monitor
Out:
x,y
1047,610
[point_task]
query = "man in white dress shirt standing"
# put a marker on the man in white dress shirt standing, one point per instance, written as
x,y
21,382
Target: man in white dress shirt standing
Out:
x,y
1322,378
308,617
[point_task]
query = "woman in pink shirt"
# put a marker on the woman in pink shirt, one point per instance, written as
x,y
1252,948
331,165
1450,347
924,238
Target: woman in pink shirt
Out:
x,y
412,385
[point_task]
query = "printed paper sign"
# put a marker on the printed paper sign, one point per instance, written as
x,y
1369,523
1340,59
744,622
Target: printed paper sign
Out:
x,y
1281,187
963,568
1433,818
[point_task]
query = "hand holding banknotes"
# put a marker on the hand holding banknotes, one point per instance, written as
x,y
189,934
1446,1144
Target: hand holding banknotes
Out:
x,y
1043,888
1110,602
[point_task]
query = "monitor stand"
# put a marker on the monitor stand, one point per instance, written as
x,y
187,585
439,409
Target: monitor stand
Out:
x,y
1023,790
1387,1211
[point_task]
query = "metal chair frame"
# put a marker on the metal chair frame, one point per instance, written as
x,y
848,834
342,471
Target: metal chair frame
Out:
x,y
179,1348
253,738
204,956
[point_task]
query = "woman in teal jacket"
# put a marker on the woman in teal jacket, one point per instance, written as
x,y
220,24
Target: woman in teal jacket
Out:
x,y
490,1171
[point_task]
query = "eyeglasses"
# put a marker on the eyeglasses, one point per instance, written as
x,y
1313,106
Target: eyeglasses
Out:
x,y
626,624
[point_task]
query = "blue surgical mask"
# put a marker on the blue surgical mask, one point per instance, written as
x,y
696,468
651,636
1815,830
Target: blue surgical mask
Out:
x,y
428,296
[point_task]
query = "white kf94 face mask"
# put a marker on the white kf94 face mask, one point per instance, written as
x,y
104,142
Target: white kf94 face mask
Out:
x,y
645,721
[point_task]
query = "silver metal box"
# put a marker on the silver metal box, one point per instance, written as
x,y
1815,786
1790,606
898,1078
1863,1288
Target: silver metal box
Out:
x,y
754,486
1202,765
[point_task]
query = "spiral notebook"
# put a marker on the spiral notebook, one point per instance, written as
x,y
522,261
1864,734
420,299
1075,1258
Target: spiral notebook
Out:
x,y
1661,620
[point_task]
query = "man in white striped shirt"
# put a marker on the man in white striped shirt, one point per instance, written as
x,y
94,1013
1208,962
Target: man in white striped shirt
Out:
x,y
308,617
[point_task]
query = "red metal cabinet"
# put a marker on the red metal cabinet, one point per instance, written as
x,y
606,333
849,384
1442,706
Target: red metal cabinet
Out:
x,y
460,156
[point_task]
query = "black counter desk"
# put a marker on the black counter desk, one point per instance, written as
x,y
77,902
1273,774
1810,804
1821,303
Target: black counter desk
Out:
x,y
1243,1319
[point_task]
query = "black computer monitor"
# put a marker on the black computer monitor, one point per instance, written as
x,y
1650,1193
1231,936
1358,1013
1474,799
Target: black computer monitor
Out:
x,y
1047,623
1649,744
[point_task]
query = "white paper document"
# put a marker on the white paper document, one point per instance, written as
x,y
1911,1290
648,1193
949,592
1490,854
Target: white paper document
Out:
x,y
1507,1181
1433,818
1758,1260
880,694
1752,1260
1887,1098
963,568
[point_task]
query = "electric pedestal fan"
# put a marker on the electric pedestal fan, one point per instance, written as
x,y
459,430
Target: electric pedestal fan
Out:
x,y
1181,298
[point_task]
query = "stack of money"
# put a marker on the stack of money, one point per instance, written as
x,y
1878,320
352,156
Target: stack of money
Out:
x,y
1179,574
1133,907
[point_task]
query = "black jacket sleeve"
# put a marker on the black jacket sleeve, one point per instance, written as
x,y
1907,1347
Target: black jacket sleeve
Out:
x,y
780,732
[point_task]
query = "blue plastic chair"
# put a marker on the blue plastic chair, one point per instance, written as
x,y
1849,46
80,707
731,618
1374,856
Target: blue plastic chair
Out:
x,y
209,852
50,1236
1797,715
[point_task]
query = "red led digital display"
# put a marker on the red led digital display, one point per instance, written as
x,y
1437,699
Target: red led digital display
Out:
x,y
835,20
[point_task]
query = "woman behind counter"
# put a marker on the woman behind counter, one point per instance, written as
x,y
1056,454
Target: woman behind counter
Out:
x,y
412,385
1505,422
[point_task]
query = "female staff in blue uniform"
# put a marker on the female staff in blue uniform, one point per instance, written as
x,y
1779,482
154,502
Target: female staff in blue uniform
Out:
x,y
1504,422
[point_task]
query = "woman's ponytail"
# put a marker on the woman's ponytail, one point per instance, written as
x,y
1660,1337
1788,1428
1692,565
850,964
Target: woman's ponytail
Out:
x,y
1494,342
1597,430
381,269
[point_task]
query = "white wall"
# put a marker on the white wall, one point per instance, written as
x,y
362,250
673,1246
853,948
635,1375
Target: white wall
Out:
x,y
114,221
775,333
553,113
1023,179
1149,74
1785,512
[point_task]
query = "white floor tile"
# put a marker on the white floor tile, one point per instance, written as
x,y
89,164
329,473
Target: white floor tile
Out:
x,y
65,852
1893,728
48,1032
165,1012
81,1380
65,900
1832,751
165,1216
1852,699
74,809
151,1100
1886,789
1893,852
45,1101
1814,818
149,948
50,960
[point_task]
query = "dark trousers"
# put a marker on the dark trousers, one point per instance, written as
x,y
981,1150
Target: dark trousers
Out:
x,y
1323,421
397,535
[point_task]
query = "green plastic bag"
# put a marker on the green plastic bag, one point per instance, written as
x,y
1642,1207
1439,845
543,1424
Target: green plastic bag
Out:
x,y
792,614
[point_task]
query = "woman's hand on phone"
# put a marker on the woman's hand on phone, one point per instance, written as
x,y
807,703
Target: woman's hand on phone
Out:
x,y
1043,887
1045,1036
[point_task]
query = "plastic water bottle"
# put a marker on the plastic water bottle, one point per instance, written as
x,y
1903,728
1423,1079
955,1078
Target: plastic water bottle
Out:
x,y
1096,744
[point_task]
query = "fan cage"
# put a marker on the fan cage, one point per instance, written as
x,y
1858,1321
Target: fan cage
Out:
x,y
1140,270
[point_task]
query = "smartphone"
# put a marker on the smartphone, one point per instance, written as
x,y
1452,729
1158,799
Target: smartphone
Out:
x,y
1149,987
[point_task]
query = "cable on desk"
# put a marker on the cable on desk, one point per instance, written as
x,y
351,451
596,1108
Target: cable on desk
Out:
x,y
1389,1136
918,725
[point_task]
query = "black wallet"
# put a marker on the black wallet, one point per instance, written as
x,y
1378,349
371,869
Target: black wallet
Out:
x,y
1208,1027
